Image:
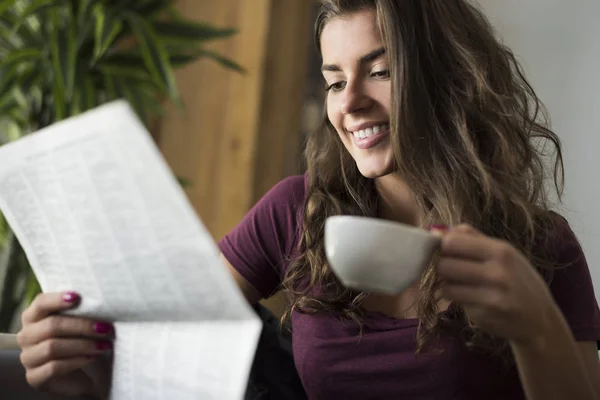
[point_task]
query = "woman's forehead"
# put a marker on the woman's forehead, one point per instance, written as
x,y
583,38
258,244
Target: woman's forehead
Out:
x,y
350,37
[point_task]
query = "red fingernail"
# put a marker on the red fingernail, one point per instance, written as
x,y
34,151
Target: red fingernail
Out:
x,y
103,328
438,227
71,297
103,346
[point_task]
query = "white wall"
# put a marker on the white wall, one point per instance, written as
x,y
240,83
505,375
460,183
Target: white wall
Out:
x,y
558,43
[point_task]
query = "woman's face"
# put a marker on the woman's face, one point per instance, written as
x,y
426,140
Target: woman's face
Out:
x,y
356,70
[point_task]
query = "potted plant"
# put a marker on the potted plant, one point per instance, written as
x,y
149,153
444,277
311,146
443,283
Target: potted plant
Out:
x,y
59,58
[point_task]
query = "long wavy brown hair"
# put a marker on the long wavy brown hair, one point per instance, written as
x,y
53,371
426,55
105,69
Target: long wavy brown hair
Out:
x,y
470,137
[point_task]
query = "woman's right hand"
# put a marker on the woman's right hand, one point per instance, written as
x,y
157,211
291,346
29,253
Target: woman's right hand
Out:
x,y
62,354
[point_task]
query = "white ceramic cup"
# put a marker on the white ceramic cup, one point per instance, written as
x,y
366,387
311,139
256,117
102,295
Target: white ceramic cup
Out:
x,y
374,255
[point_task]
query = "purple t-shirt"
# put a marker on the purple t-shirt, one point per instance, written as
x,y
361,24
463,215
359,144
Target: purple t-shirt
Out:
x,y
334,362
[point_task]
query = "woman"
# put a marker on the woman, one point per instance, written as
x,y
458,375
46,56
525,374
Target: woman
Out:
x,y
429,121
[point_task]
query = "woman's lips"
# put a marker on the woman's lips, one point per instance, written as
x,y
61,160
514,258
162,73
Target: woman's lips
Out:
x,y
371,141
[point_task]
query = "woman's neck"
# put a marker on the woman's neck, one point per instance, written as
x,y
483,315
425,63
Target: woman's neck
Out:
x,y
396,200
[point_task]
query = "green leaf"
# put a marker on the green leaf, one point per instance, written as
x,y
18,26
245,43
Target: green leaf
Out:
x,y
109,87
20,56
84,16
37,6
87,91
151,101
151,8
127,58
20,97
8,39
132,73
8,80
108,28
6,5
32,287
63,51
226,62
83,95
14,131
155,56
30,77
57,56
27,31
174,13
6,104
18,115
70,64
179,60
187,31
130,65
59,101
184,182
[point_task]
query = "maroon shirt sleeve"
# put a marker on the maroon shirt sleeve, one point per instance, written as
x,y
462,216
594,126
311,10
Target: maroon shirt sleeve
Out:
x,y
572,286
261,244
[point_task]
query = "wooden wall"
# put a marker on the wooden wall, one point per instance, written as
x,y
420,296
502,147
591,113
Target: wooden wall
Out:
x,y
240,134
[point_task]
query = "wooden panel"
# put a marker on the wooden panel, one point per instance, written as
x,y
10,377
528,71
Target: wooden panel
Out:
x,y
280,138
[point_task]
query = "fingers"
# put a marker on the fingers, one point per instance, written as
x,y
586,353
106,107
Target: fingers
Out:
x,y
58,326
478,296
46,304
467,272
466,243
57,349
43,375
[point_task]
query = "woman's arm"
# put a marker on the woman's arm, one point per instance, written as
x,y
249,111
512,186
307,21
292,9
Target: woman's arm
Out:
x,y
557,367
249,291
503,294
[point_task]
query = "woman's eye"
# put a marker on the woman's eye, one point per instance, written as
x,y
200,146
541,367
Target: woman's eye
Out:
x,y
385,74
336,87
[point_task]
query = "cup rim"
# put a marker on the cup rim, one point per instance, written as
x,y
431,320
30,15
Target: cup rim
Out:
x,y
383,223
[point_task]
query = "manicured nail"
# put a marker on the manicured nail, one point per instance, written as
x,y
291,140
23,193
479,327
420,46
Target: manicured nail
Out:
x,y
104,346
438,227
71,297
103,328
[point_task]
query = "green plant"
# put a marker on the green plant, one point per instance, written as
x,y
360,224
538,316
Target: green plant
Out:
x,y
59,58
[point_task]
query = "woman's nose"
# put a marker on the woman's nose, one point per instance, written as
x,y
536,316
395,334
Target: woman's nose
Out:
x,y
355,99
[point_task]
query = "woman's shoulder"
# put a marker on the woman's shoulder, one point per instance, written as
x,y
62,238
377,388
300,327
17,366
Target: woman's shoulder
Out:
x,y
560,239
571,284
289,190
260,245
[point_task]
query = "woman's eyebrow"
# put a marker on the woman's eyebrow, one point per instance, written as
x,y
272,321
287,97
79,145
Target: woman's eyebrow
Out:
x,y
363,60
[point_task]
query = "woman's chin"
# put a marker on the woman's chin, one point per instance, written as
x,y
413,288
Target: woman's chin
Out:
x,y
374,171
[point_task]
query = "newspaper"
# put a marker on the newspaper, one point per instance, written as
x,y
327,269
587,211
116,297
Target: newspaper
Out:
x,y
97,210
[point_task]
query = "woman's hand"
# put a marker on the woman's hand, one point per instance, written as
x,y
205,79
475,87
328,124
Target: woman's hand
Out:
x,y
498,287
61,354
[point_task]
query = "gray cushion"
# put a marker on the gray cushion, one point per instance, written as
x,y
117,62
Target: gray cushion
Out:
x,y
13,385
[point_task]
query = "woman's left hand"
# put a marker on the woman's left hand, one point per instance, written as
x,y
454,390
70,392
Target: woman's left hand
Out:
x,y
498,287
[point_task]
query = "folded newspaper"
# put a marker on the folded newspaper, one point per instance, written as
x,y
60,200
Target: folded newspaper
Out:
x,y
97,210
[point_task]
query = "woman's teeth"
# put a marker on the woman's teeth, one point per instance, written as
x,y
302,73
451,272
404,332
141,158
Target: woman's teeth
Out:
x,y
374,130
